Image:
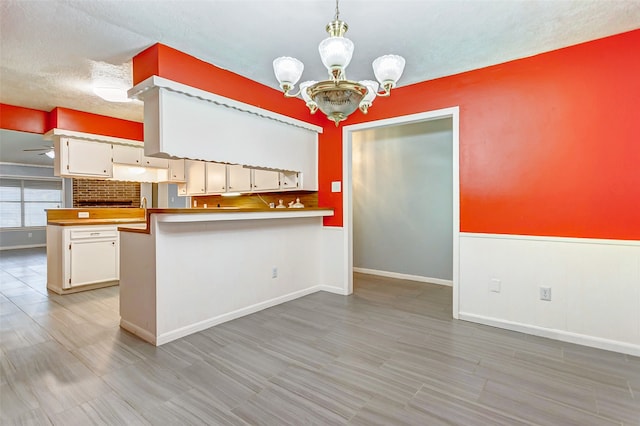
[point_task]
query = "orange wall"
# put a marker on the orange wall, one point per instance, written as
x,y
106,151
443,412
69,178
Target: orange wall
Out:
x,y
23,119
172,64
36,121
79,121
549,145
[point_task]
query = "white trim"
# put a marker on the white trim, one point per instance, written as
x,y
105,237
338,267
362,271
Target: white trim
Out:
x,y
170,336
91,136
6,163
400,276
332,289
145,335
552,239
22,247
565,336
137,92
347,197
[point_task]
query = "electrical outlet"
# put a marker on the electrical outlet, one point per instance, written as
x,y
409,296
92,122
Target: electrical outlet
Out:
x,y
274,272
30,235
494,285
545,293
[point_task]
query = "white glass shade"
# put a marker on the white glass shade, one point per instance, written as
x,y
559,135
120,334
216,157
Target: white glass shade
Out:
x,y
371,93
336,52
303,90
388,69
288,70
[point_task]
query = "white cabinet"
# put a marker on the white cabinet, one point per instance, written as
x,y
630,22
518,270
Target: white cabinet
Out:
x,y
79,157
159,163
289,180
176,170
80,256
133,155
127,154
238,178
216,178
265,180
195,178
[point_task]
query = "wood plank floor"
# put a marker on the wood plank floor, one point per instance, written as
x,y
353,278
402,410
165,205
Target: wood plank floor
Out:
x,y
390,354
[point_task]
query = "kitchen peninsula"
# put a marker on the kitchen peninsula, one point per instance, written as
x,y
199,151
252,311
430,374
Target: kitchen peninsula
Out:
x,y
191,269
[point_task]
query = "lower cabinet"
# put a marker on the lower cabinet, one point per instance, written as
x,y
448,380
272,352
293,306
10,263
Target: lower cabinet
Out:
x,y
92,261
82,257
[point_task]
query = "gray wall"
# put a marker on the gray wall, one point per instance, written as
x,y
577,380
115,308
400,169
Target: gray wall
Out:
x,y
402,199
26,237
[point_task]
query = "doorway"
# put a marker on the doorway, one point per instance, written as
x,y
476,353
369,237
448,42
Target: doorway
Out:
x,y
348,186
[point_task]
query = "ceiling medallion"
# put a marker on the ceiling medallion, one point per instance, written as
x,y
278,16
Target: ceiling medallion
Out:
x,y
338,97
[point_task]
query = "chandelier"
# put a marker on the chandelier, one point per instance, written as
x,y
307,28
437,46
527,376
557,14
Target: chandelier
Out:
x,y
338,97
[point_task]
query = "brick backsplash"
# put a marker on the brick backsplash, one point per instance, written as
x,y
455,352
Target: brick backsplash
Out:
x,y
104,193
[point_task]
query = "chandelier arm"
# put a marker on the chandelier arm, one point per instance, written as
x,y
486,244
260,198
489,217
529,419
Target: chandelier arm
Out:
x,y
287,94
387,90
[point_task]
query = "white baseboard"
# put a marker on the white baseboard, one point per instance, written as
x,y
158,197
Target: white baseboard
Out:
x,y
145,335
333,289
172,335
565,336
400,276
22,247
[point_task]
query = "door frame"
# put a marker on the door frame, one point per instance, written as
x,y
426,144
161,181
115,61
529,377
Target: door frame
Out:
x,y
347,192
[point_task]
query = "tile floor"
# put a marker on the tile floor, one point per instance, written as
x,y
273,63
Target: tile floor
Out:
x,y
390,354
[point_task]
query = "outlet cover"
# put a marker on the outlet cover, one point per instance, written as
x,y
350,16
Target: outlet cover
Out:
x,y
83,215
336,186
495,285
545,293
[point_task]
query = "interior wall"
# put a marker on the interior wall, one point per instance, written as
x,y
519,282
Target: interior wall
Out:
x,y
402,200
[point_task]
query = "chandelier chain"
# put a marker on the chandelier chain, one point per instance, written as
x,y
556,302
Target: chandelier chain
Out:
x,y
337,12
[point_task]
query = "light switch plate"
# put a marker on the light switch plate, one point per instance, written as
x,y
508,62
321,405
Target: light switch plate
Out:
x,y
336,186
495,285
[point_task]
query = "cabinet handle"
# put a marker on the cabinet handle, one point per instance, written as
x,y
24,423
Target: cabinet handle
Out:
x,y
95,233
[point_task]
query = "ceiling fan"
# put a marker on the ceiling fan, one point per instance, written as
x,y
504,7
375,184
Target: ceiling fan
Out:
x,y
46,150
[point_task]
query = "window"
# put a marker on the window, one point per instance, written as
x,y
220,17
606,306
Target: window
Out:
x,y
23,201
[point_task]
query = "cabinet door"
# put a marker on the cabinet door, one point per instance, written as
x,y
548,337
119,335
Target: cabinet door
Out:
x,y
126,154
239,179
216,178
176,170
88,158
194,172
159,163
265,180
93,262
288,180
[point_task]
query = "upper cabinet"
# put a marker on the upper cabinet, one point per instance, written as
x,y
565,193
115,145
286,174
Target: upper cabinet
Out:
x,y
185,122
134,155
265,180
216,178
238,178
79,157
127,154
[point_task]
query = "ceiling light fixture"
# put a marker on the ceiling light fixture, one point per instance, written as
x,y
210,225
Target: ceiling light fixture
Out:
x,y
338,97
112,94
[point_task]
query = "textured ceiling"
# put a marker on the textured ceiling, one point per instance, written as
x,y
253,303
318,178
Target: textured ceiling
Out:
x,y
52,52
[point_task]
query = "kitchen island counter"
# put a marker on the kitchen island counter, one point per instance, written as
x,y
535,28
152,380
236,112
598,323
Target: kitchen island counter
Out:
x,y
225,214
191,269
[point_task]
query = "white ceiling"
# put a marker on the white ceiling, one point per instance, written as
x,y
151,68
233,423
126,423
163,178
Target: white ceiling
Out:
x,y
52,52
